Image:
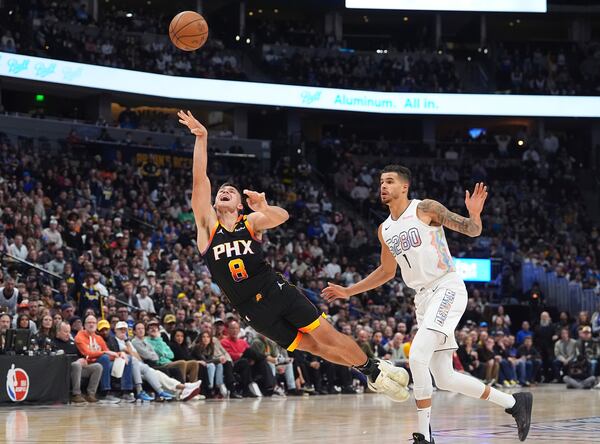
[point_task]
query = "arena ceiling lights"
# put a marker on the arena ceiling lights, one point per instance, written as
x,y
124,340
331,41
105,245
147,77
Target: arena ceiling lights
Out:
x,y
224,91
452,5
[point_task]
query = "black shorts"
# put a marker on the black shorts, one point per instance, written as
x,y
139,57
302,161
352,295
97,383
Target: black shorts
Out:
x,y
282,313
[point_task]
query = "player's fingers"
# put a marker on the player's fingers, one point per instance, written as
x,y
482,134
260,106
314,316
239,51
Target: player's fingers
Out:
x,y
467,194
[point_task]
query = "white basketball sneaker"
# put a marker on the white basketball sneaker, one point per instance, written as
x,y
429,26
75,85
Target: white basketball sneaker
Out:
x,y
397,374
392,381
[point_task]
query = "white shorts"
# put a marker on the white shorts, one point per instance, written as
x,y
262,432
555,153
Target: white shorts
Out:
x,y
440,307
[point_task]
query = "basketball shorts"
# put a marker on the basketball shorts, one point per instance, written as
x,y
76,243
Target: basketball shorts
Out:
x,y
440,307
282,313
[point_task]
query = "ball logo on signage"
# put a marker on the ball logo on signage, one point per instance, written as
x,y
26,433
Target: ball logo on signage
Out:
x,y
17,384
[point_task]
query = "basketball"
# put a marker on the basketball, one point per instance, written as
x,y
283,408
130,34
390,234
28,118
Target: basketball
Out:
x,y
188,31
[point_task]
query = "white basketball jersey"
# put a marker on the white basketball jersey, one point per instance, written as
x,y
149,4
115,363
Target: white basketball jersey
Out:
x,y
420,250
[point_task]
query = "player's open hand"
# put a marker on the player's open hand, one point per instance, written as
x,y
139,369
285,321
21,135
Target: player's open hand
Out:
x,y
256,201
196,128
334,291
475,201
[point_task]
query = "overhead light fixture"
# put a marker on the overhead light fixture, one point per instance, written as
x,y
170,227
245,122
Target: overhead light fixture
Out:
x,y
248,40
129,15
237,38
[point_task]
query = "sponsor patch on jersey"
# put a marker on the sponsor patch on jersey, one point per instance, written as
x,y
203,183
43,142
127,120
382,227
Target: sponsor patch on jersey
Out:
x,y
445,306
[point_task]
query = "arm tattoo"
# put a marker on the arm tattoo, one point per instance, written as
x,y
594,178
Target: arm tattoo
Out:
x,y
440,215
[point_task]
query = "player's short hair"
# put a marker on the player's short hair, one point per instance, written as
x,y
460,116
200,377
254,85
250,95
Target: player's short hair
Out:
x,y
239,190
232,185
400,170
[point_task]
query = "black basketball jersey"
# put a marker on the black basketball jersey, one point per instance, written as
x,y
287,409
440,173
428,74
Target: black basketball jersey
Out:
x,y
236,261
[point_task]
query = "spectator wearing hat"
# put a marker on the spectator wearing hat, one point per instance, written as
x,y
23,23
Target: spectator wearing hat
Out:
x,y
169,324
76,325
80,368
164,352
67,311
9,295
93,348
589,348
158,380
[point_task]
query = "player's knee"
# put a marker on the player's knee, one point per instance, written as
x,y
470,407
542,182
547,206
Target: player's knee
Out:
x,y
422,392
443,380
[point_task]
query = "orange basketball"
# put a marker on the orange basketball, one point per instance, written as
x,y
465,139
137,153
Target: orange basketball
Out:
x,y
188,30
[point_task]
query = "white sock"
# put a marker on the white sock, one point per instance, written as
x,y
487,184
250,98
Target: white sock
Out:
x,y
423,416
500,398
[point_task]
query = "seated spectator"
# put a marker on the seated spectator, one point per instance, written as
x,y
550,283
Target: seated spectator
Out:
x,y
164,352
263,369
93,348
507,375
579,373
111,342
524,332
143,372
80,368
490,361
181,353
565,350
209,349
45,334
377,345
532,358
147,353
9,296
588,347
236,348
4,326
395,351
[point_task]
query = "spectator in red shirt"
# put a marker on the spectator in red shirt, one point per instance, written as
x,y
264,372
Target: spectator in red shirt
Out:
x,y
236,348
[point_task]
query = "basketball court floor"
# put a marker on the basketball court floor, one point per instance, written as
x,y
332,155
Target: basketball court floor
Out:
x,y
560,415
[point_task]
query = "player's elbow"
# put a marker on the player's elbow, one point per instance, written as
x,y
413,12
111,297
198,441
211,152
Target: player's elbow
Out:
x,y
389,273
284,215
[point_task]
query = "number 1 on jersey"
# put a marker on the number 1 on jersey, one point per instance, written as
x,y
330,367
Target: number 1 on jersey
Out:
x,y
407,260
238,270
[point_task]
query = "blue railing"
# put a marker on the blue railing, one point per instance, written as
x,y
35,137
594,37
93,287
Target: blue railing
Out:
x,y
558,291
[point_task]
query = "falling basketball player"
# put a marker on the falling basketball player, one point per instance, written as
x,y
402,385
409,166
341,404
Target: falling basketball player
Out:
x,y
230,244
413,238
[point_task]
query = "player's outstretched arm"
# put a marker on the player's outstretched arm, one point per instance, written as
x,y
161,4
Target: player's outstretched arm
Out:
x,y
264,216
379,276
434,213
204,213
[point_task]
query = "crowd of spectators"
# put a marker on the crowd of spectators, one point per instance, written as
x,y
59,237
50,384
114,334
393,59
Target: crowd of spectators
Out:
x,y
531,215
65,30
134,283
292,52
534,70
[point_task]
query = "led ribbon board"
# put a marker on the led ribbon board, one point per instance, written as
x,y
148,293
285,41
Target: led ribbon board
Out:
x,y
226,91
452,5
474,270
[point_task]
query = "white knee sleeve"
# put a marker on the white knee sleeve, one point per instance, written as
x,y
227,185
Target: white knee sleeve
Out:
x,y
421,352
446,378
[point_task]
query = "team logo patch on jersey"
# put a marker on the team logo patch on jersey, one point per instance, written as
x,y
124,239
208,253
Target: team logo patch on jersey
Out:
x,y
258,297
445,306
17,384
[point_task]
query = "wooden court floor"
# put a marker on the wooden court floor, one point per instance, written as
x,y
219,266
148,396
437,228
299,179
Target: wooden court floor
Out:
x,y
560,415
